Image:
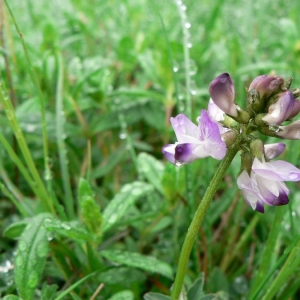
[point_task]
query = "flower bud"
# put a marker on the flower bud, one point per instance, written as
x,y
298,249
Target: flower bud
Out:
x,y
261,88
290,132
229,137
280,110
221,90
273,150
246,161
257,149
266,85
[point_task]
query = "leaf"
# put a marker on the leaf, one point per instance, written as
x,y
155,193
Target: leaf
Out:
x,y
136,260
49,291
156,296
152,169
196,290
31,256
123,295
14,230
173,182
73,230
11,297
90,210
118,206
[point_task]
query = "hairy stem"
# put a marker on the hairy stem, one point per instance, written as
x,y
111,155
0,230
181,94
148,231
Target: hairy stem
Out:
x,y
197,220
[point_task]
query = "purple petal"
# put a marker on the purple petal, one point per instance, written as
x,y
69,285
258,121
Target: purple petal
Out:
x,y
273,150
291,131
296,109
276,170
222,92
214,112
274,193
186,153
169,152
281,110
250,191
266,85
210,134
184,128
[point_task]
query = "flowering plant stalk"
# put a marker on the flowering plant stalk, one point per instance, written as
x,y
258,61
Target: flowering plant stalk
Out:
x,y
225,129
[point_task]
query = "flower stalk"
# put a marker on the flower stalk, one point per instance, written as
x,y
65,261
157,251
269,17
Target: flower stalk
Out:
x,y
198,218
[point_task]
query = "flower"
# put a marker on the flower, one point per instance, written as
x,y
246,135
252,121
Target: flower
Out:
x,y
290,132
273,150
222,92
265,184
194,141
265,85
280,110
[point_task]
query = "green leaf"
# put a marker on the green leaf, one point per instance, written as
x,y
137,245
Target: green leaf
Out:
x,y
123,295
152,169
136,260
49,291
14,230
31,256
156,296
173,182
196,290
90,210
73,230
11,297
118,206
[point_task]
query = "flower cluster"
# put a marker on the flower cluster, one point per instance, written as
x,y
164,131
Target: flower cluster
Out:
x,y
270,103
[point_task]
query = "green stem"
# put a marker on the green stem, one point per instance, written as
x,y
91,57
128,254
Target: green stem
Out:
x,y
40,188
185,26
60,139
197,220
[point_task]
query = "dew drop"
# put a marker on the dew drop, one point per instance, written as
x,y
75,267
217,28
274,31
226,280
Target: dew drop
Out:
x,y
19,261
193,68
187,25
175,69
189,45
65,226
293,176
22,245
123,135
33,279
178,163
42,249
183,7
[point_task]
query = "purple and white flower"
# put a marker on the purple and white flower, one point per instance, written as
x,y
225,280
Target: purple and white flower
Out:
x,y
273,150
281,109
194,141
265,185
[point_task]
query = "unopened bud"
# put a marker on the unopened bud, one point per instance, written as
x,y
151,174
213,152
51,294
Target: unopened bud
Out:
x,y
265,86
257,149
221,90
229,137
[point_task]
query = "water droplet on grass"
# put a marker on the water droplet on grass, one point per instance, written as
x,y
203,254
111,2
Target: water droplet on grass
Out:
x,y
32,279
187,25
22,245
123,135
42,249
19,260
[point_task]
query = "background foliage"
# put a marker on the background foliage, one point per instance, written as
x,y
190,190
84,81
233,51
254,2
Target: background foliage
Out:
x,y
91,210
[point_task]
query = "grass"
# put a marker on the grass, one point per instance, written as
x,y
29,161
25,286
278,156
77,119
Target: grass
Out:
x,y
87,91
